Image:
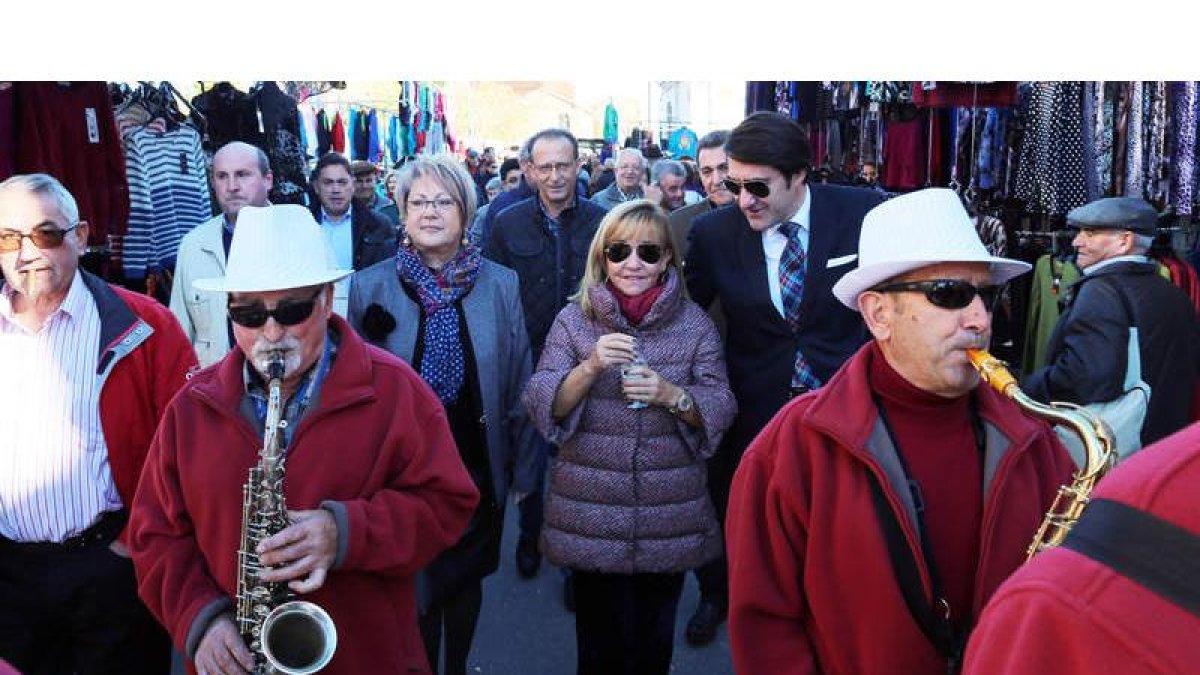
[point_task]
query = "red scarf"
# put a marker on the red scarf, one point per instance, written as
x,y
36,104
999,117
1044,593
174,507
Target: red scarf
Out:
x,y
635,307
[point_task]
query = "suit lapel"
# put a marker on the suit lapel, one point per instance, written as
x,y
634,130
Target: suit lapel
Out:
x,y
753,262
820,233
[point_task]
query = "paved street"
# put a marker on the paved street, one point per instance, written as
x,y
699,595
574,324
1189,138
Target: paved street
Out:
x,y
524,628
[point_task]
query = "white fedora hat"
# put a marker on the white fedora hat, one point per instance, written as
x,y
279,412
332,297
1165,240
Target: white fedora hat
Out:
x,y
920,228
275,248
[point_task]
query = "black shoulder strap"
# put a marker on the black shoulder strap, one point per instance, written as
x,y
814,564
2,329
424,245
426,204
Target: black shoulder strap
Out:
x,y
1157,554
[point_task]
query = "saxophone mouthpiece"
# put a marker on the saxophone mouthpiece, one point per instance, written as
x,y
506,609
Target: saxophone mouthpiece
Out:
x,y
992,369
275,367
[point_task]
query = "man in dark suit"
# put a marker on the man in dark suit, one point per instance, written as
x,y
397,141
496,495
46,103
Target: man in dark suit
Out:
x,y
786,333
358,237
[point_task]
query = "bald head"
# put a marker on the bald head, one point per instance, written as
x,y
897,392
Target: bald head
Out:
x,y
241,176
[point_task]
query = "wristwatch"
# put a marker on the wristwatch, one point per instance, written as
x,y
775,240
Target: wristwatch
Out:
x,y
683,404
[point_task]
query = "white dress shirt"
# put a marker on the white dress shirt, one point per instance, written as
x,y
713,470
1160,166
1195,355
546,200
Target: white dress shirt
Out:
x,y
340,235
54,473
774,242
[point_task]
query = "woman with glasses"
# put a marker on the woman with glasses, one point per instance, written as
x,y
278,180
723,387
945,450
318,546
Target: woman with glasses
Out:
x,y
457,319
627,507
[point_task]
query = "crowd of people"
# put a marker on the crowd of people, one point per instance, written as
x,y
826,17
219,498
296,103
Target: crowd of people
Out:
x,y
710,364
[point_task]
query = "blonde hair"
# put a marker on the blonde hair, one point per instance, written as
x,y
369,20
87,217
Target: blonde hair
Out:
x,y
617,225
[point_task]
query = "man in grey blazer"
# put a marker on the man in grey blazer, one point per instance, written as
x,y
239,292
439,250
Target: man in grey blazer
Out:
x,y
241,176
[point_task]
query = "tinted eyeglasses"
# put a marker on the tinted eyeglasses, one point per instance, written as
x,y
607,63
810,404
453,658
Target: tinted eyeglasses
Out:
x,y
286,312
618,251
947,293
42,237
758,188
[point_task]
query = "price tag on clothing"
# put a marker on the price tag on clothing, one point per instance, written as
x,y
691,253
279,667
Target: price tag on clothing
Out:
x,y
93,126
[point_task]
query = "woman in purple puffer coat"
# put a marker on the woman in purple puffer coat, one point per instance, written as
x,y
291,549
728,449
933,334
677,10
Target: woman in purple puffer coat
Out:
x,y
627,506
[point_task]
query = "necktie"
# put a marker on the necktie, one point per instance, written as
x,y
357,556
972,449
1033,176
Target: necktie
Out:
x,y
791,287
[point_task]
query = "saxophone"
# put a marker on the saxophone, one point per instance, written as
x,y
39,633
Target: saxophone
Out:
x,y
286,636
1100,452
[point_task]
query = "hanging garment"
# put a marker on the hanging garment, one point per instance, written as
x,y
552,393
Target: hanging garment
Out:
x,y
374,138
1183,157
1135,179
308,127
1051,279
280,119
338,134
1102,125
324,136
395,140
611,134
1050,175
966,94
1157,176
362,135
1119,92
682,142
229,115
68,131
8,151
436,138
985,164
904,159
168,196
759,96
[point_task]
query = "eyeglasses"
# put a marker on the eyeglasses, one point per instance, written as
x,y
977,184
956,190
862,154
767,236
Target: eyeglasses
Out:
x,y
947,293
618,251
547,169
440,204
286,312
758,188
42,237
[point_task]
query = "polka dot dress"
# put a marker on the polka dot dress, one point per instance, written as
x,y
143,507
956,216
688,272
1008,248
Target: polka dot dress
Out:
x,y
1050,175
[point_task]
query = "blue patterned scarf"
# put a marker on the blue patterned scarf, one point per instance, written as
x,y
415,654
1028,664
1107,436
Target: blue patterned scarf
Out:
x,y
442,359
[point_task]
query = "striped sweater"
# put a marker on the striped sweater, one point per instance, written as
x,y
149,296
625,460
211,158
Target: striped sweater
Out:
x,y
168,195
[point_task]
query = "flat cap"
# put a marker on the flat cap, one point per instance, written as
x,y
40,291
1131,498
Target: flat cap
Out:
x,y
360,167
1115,213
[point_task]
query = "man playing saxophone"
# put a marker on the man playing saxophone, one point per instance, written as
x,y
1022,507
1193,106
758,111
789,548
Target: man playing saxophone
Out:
x,y
372,483
871,520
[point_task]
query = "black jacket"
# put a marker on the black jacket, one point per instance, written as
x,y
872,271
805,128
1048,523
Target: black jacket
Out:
x,y
1086,355
548,267
374,239
725,261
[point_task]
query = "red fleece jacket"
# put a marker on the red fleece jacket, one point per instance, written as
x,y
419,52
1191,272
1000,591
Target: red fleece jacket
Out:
x,y
812,588
377,443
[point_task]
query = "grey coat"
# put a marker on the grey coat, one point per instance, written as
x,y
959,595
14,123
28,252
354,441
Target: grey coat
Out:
x,y
628,490
610,197
502,357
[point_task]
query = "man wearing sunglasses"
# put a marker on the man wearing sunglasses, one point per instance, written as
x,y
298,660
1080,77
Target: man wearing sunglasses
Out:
x,y
1088,348
241,176
872,519
770,259
374,484
90,368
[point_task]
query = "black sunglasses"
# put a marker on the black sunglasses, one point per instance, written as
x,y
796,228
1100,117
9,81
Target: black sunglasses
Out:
x,y
947,293
286,312
618,251
42,237
758,188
